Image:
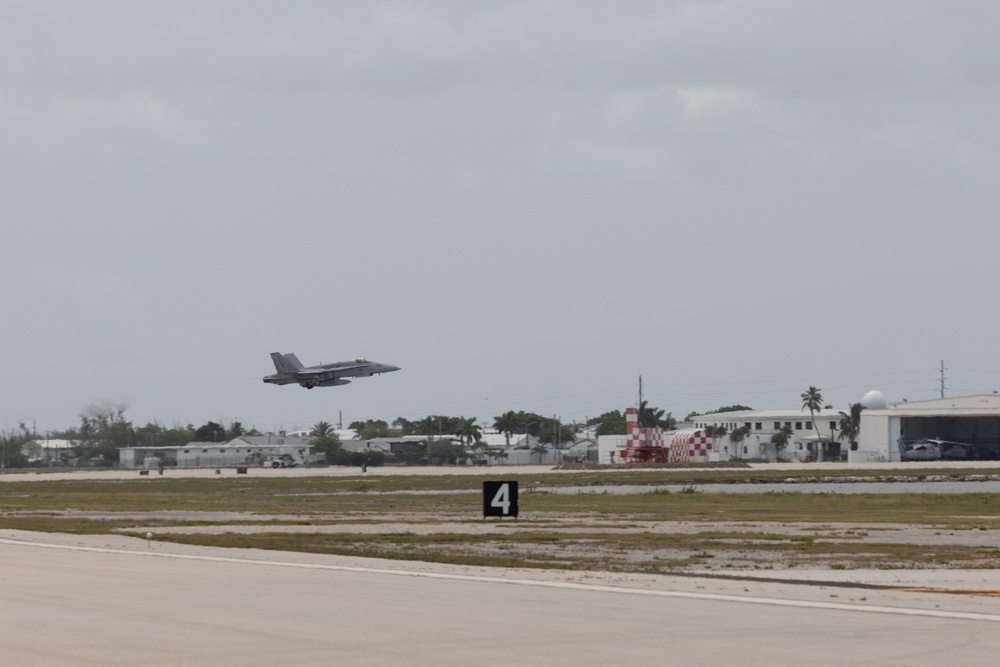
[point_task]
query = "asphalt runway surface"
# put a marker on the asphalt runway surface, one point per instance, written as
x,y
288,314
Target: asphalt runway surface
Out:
x,y
113,600
110,600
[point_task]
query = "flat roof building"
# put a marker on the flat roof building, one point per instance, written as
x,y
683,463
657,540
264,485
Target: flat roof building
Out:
x,y
814,437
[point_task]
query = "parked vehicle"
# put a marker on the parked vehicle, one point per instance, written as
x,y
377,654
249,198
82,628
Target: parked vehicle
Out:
x,y
283,461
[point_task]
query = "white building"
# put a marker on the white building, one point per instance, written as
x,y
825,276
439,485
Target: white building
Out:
x,y
810,441
610,448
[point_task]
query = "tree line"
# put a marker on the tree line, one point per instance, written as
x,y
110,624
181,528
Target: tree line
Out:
x,y
102,430
451,438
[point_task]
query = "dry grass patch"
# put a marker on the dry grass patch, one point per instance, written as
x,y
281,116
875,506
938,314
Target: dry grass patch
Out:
x,y
639,532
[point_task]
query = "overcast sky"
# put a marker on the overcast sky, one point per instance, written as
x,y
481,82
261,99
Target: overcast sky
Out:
x,y
525,205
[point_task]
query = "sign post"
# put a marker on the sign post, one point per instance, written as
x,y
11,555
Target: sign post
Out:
x,y
499,499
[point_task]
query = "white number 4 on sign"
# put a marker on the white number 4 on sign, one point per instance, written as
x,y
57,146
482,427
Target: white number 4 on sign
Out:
x,y
499,499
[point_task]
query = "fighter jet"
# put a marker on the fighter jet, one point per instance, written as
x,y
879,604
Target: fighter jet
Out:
x,y
290,371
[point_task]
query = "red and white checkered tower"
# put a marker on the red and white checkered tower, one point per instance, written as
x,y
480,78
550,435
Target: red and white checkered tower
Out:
x,y
642,445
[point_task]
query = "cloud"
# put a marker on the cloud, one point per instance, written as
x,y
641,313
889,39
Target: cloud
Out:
x,y
936,150
127,125
467,177
661,130
704,101
408,47
613,132
86,296
248,134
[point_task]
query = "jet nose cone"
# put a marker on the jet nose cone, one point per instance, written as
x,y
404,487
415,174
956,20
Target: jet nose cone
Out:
x,y
390,368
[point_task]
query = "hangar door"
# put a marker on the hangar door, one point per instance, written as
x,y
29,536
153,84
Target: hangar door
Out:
x,y
982,434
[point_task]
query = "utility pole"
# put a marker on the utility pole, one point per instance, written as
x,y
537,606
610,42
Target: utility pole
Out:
x,y
942,378
557,440
642,430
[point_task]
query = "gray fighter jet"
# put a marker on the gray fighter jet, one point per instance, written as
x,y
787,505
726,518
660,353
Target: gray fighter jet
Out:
x,y
291,371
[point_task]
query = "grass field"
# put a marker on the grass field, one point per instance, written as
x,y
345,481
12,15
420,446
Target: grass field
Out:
x,y
437,518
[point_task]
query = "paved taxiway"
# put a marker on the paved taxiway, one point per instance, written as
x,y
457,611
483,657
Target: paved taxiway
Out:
x,y
110,600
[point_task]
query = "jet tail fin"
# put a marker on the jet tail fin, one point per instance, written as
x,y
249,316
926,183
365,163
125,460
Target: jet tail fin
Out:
x,y
285,363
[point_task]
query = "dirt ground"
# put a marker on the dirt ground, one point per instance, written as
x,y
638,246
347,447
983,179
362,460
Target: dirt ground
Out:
x,y
726,547
685,546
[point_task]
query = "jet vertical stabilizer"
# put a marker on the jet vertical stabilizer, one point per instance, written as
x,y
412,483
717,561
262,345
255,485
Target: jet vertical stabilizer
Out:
x,y
294,362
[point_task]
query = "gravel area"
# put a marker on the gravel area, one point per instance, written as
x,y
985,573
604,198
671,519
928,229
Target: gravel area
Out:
x,y
745,551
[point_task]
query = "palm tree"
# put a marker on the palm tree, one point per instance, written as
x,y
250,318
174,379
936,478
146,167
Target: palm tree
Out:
x,y
526,427
480,452
404,426
650,417
780,440
235,431
321,429
506,424
468,431
541,449
812,398
429,425
850,423
669,423
496,453
716,431
739,434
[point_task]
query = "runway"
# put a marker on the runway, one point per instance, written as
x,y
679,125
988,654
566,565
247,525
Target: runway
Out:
x,y
107,600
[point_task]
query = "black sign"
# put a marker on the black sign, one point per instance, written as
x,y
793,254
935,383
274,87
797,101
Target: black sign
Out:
x,y
499,499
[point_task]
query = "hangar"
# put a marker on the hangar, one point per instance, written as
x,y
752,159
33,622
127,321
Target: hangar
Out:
x,y
972,422
252,449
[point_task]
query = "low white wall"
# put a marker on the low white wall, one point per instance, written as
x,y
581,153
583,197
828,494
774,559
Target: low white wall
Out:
x,y
606,444
876,440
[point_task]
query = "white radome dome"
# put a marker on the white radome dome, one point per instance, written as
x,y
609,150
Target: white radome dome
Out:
x,y
874,400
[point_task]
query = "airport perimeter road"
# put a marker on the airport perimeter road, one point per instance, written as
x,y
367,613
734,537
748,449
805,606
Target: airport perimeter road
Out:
x,y
78,605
